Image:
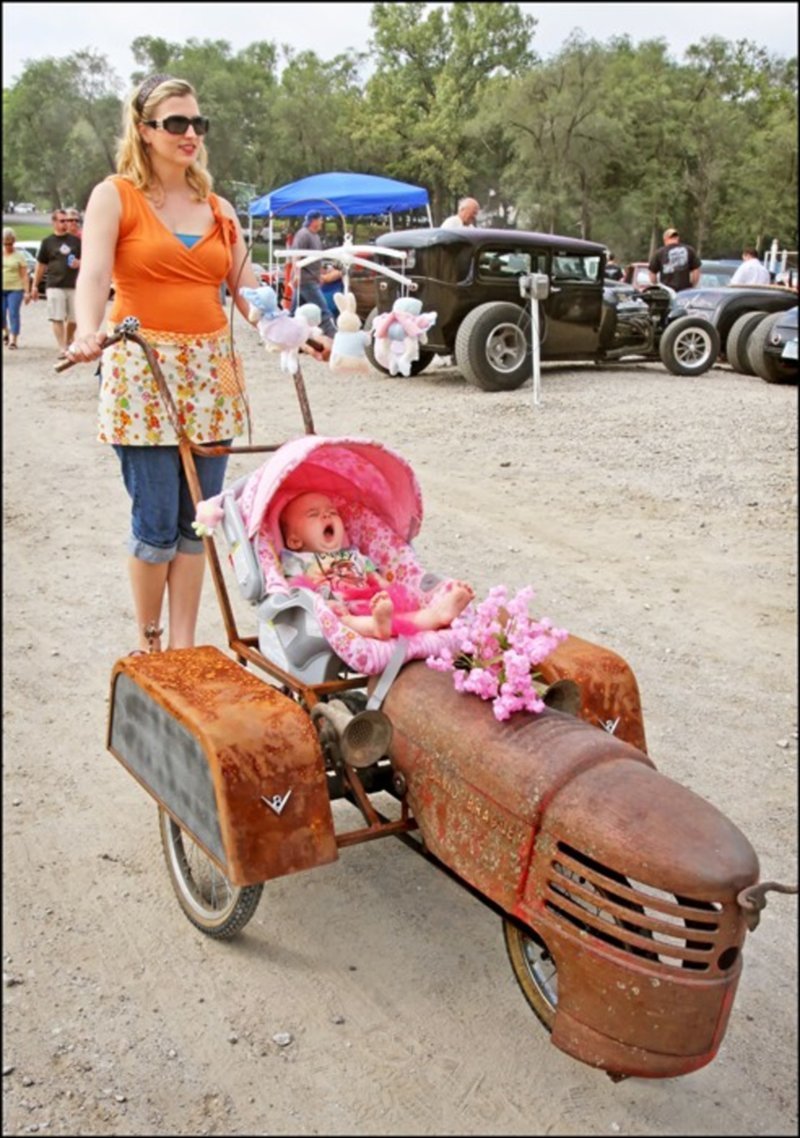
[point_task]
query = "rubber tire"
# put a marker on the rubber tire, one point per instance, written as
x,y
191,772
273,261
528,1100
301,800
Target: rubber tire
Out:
x,y
767,367
542,1000
218,921
689,346
736,346
492,330
417,366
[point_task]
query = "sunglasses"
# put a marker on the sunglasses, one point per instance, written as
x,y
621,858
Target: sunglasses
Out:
x,y
179,124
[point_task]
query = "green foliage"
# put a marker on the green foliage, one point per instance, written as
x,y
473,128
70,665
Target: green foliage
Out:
x,y
611,141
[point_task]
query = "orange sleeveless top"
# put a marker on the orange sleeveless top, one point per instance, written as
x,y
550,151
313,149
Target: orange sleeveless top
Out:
x,y
157,279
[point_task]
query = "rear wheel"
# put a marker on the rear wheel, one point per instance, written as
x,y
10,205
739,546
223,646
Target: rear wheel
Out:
x,y
689,346
205,894
736,347
493,346
769,368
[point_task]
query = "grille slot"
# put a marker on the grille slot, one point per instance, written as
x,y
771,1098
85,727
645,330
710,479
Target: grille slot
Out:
x,y
631,916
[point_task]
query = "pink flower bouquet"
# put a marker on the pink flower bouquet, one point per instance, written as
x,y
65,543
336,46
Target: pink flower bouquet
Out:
x,y
498,648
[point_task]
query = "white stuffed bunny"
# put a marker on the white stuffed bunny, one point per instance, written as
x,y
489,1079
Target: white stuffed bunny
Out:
x,y
347,350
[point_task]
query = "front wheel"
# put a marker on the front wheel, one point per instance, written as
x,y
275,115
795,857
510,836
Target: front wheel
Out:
x,y
493,346
689,346
205,894
535,970
737,352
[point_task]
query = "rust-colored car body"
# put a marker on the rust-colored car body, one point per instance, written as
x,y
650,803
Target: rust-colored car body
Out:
x,y
639,891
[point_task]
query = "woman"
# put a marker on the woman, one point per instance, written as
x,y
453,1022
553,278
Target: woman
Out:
x,y
168,243
16,287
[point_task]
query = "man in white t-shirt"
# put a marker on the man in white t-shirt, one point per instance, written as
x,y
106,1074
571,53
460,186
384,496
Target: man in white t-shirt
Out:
x,y
751,271
468,210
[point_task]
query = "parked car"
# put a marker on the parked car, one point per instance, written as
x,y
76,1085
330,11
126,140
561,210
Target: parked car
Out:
x,y
725,308
30,249
471,279
772,350
24,207
712,273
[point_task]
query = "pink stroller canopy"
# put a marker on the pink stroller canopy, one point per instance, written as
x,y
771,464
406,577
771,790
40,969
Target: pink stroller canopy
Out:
x,y
353,469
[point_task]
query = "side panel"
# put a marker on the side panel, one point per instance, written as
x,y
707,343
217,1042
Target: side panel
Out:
x,y
232,759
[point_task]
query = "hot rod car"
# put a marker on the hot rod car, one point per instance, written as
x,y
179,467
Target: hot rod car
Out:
x,y
471,279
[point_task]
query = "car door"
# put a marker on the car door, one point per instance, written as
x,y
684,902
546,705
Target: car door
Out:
x,y
574,305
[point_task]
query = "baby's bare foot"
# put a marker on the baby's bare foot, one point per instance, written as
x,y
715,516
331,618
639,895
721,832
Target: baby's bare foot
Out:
x,y
382,612
451,600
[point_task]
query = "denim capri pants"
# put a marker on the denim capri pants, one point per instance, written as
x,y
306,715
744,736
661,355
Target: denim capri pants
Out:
x,y
162,510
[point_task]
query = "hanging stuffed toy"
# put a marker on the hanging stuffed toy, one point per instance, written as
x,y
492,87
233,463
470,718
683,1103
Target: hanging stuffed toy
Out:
x,y
279,331
347,351
399,333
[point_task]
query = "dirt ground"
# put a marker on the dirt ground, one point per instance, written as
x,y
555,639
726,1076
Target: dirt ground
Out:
x,y
652,514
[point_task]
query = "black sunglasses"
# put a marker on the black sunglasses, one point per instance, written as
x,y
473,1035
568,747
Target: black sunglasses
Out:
x,y
179,124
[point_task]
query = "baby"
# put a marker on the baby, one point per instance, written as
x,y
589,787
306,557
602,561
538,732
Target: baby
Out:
x,y
317,555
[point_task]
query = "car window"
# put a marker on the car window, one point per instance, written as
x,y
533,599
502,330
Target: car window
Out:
x,y
507,264
572,267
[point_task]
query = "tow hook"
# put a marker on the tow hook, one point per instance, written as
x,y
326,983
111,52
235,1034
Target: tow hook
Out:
x,y
753,899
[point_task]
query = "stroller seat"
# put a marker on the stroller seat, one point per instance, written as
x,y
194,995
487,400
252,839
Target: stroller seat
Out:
x,y
380,505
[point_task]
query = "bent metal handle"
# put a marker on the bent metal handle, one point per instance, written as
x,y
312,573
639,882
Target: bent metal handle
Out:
x,y
128,329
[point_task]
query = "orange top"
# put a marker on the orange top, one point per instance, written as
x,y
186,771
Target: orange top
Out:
x,y
158,280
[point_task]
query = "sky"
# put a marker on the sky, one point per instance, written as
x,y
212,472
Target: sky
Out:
x,y
36,31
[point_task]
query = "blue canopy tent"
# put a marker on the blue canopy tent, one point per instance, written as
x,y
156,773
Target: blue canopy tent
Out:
x,y
346,193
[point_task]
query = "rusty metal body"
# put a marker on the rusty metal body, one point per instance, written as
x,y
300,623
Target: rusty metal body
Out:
x,y
638,890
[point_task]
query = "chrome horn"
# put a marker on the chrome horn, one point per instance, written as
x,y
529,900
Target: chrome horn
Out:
x,y
363,737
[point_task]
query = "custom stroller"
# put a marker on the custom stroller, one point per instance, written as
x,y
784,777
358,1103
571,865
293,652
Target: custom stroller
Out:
x,y
625,898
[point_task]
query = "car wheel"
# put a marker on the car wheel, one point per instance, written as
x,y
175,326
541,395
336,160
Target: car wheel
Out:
x,y
493,348
689,346
418,365
769,368
736,351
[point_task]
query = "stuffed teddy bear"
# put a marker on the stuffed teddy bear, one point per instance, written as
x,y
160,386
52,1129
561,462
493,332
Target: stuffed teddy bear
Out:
x,y
399,333
347,350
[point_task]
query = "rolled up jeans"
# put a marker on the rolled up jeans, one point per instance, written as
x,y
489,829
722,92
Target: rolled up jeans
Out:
x,y
310,292
162,510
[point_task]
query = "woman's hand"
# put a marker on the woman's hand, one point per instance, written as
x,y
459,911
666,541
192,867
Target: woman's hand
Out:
x,y
87,347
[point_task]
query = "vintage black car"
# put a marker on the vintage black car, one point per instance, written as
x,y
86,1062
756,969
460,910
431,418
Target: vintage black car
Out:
x,y
471,278
726,306
772,349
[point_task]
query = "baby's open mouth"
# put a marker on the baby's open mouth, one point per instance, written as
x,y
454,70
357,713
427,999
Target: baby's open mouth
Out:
x,y
328,532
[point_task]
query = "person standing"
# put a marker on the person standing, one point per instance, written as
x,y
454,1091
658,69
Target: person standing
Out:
x,y
169,243
613,271
310,277
16,287
58,261
675,264
74,222
465,215
751,271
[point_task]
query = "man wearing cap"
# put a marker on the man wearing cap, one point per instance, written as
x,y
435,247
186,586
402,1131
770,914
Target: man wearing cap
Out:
x,y
310,290
675,264
74,222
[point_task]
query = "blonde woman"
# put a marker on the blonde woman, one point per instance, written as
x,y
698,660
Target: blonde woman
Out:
x,y
168,243
16,287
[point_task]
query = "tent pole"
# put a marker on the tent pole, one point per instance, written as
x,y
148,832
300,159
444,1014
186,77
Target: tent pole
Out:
x,y
430,216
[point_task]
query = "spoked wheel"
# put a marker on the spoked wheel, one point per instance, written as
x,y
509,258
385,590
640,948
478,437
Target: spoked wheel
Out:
x,y
535,970
205,894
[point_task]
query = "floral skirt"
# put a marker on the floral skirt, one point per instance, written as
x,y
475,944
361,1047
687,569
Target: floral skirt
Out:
x,y
203,375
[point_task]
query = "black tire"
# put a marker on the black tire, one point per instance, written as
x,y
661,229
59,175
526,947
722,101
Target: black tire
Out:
x,y
689,346
535,971
417,366
736,350
767,367
211,903
493,350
